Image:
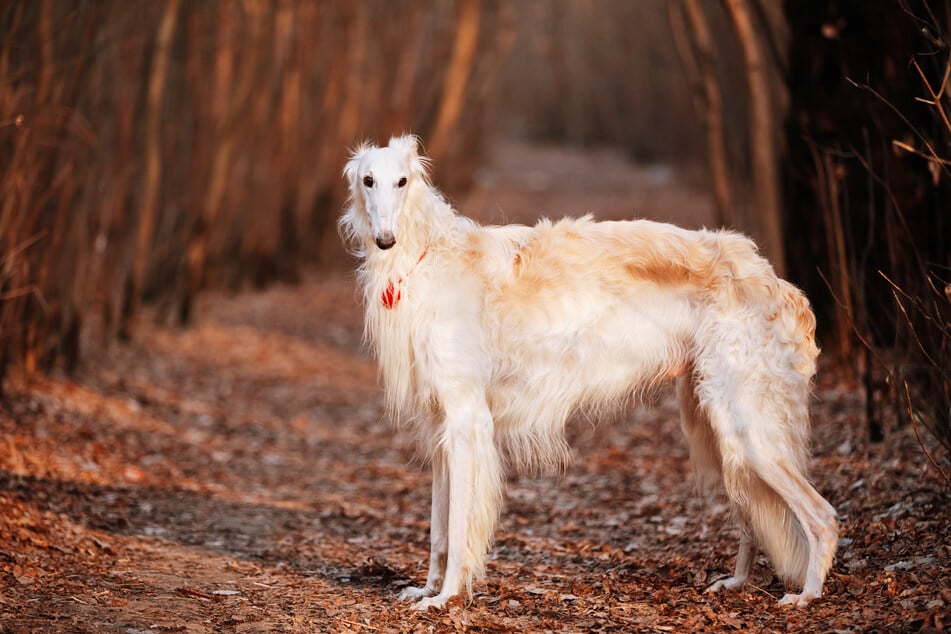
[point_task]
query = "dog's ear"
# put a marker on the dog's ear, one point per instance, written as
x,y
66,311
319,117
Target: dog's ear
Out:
x,y
408,143
350,169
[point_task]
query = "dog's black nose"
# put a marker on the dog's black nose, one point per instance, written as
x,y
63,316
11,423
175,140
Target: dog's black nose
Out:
x,y
385,242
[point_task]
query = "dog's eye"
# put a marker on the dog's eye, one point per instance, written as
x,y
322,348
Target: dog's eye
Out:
x,y
368,181
401,182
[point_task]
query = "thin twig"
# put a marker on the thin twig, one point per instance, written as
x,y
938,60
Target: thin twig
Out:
x,y
20,248
850,317
918,304
20,292
933,25
934,95
900,114
364,625
934,159
944,82
895,206
756,587
914,424
198,594
911,328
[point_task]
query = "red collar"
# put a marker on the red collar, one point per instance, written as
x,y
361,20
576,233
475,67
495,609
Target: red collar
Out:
x,y
392,294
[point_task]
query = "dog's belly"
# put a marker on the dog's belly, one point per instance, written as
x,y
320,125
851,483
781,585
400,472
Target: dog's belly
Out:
x,y
592,357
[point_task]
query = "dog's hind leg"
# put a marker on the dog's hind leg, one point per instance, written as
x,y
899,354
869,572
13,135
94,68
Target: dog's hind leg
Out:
x,y
741,571
702,442
475,492
790,520
708,465
438,531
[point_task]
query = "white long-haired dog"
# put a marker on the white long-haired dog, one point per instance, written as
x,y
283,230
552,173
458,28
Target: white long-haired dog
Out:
x,y
489,338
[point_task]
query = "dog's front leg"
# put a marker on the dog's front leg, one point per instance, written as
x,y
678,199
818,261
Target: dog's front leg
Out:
x,y
475,485
438,532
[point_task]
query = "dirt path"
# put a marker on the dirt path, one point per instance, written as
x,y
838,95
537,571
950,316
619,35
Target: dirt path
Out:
x,y
238,477
522,182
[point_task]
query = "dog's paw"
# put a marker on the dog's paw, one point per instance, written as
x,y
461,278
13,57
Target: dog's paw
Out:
x,y
730,583
799,600
412,593
437,602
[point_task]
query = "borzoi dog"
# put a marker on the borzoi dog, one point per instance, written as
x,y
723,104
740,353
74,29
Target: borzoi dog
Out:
x,y
489,337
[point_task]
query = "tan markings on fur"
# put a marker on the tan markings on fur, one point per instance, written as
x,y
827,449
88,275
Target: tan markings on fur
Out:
x,y
661,273
677,370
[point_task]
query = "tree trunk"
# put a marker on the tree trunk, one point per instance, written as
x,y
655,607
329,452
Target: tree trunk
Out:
x,y
698,55
763,135
153,162
457,77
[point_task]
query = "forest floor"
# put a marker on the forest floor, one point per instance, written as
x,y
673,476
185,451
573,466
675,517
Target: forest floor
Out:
x,y
238,476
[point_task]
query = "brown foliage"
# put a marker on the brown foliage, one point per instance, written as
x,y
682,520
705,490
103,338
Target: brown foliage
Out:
x,y
147,150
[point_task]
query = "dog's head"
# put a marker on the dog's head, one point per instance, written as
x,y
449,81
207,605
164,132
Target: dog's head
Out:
x,y
381,179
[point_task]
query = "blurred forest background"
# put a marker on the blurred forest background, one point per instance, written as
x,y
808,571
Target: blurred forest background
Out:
x,y
150,149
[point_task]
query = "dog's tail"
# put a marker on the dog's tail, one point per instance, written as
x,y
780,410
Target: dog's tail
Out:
x,y
743,277
761,508
799,325
775,527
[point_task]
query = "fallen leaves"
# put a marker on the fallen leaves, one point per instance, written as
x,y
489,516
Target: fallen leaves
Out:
x,y
195,482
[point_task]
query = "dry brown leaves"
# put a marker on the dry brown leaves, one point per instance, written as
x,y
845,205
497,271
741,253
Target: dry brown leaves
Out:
x,y
237,477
